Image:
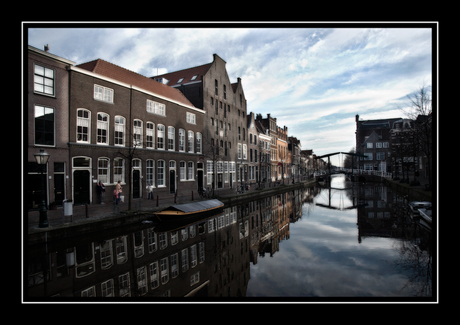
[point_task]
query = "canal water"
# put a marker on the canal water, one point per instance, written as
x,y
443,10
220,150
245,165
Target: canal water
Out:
x,y
343,240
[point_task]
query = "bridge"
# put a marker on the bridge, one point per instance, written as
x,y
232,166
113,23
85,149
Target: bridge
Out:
x,y
352,171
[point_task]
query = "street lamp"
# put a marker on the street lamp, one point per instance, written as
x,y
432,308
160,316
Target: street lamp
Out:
x,y
42,158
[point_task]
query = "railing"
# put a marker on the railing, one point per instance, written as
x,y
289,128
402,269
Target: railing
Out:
x,y
358,172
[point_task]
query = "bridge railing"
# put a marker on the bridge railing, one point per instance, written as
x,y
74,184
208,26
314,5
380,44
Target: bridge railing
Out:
x,y
358,172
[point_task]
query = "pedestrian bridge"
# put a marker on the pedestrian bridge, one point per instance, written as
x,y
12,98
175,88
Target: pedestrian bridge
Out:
x,y
349,171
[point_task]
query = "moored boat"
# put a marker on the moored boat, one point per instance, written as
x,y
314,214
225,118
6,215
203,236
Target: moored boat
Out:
x,y
188,210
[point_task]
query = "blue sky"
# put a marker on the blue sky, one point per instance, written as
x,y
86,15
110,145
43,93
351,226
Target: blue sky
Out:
x,y
313,80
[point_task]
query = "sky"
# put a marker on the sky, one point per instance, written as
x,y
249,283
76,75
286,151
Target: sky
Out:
x,y
313,80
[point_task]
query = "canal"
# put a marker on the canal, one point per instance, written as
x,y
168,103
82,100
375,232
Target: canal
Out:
x,y
346,240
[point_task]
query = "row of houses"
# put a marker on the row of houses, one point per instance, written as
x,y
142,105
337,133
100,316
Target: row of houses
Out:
x,y
172,133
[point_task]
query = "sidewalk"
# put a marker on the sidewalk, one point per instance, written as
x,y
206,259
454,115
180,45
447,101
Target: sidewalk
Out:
x,y
99,211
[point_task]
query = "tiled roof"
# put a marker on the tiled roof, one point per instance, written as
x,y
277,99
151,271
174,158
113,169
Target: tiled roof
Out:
x,y
186,74
113,71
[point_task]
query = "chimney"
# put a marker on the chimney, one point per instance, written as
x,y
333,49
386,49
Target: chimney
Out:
x,y
47,48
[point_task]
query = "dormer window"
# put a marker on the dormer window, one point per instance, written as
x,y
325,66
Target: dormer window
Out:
x,y
194,77
180,80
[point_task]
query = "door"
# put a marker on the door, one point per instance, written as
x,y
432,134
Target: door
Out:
x,y
136,184
200,179
172,181
58,188
81,183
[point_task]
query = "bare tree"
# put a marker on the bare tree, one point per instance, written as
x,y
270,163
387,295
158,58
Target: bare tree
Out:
x,y
419,109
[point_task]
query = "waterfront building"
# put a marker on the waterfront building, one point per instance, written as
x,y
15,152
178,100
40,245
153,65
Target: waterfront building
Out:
x,y
124,127
47,127
373,139
225,140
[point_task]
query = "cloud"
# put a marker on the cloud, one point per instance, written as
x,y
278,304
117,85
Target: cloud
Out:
x,y
303,76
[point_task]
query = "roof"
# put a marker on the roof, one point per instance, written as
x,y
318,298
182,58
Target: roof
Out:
x,y
186,75
116,72
195,207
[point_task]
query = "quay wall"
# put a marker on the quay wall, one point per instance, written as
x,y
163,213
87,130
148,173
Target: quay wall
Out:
x,y
89,226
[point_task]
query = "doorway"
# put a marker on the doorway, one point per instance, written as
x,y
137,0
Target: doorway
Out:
x,y
172,181
136,184
200,178
81,184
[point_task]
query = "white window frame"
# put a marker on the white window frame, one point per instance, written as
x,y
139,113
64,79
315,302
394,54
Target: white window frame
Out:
x,y
150,132
116,176
171,138
156,108
103,94
161,180
191,118
199,142
119,127
190,171
45,80
181,140
183,170
137,133
84,122
103,125
160,136
190,137
107,169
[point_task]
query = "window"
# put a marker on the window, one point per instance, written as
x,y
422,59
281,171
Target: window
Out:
x,y
156,108
150,172
107,288
103,93
174,238
164,270
83,125
380,156
184,260
193,257
123,281
174,267
245,151
386,145
191,171
370,145
368,156
119,131
191,118
161,137
152,239
216,88
161,173
198,142
103,170
194,77
190,141
225,92
201,252
210,171
119,170
102,128
43,80
182,171
240,152
171,138
154,281
44,126
137,133
150,134
378,144
106,254
181,140
180,80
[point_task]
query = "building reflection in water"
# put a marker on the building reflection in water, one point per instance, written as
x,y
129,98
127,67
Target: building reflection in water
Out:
x,y
208,257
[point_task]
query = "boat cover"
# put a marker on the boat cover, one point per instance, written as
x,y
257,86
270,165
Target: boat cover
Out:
x,y
196,206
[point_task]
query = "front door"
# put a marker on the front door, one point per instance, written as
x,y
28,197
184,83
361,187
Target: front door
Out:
x,y
136,184
200,179
58,188
172,181
81,183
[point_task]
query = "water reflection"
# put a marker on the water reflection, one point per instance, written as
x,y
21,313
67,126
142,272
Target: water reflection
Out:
x,y
340,241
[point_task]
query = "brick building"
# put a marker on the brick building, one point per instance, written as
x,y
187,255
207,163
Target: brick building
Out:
x,y
225,151
47,126
129,128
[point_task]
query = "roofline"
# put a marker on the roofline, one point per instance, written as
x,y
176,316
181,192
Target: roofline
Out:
x,y
120,83
51,56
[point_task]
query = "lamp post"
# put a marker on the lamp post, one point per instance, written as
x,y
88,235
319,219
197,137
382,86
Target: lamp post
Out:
x,y
42,158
